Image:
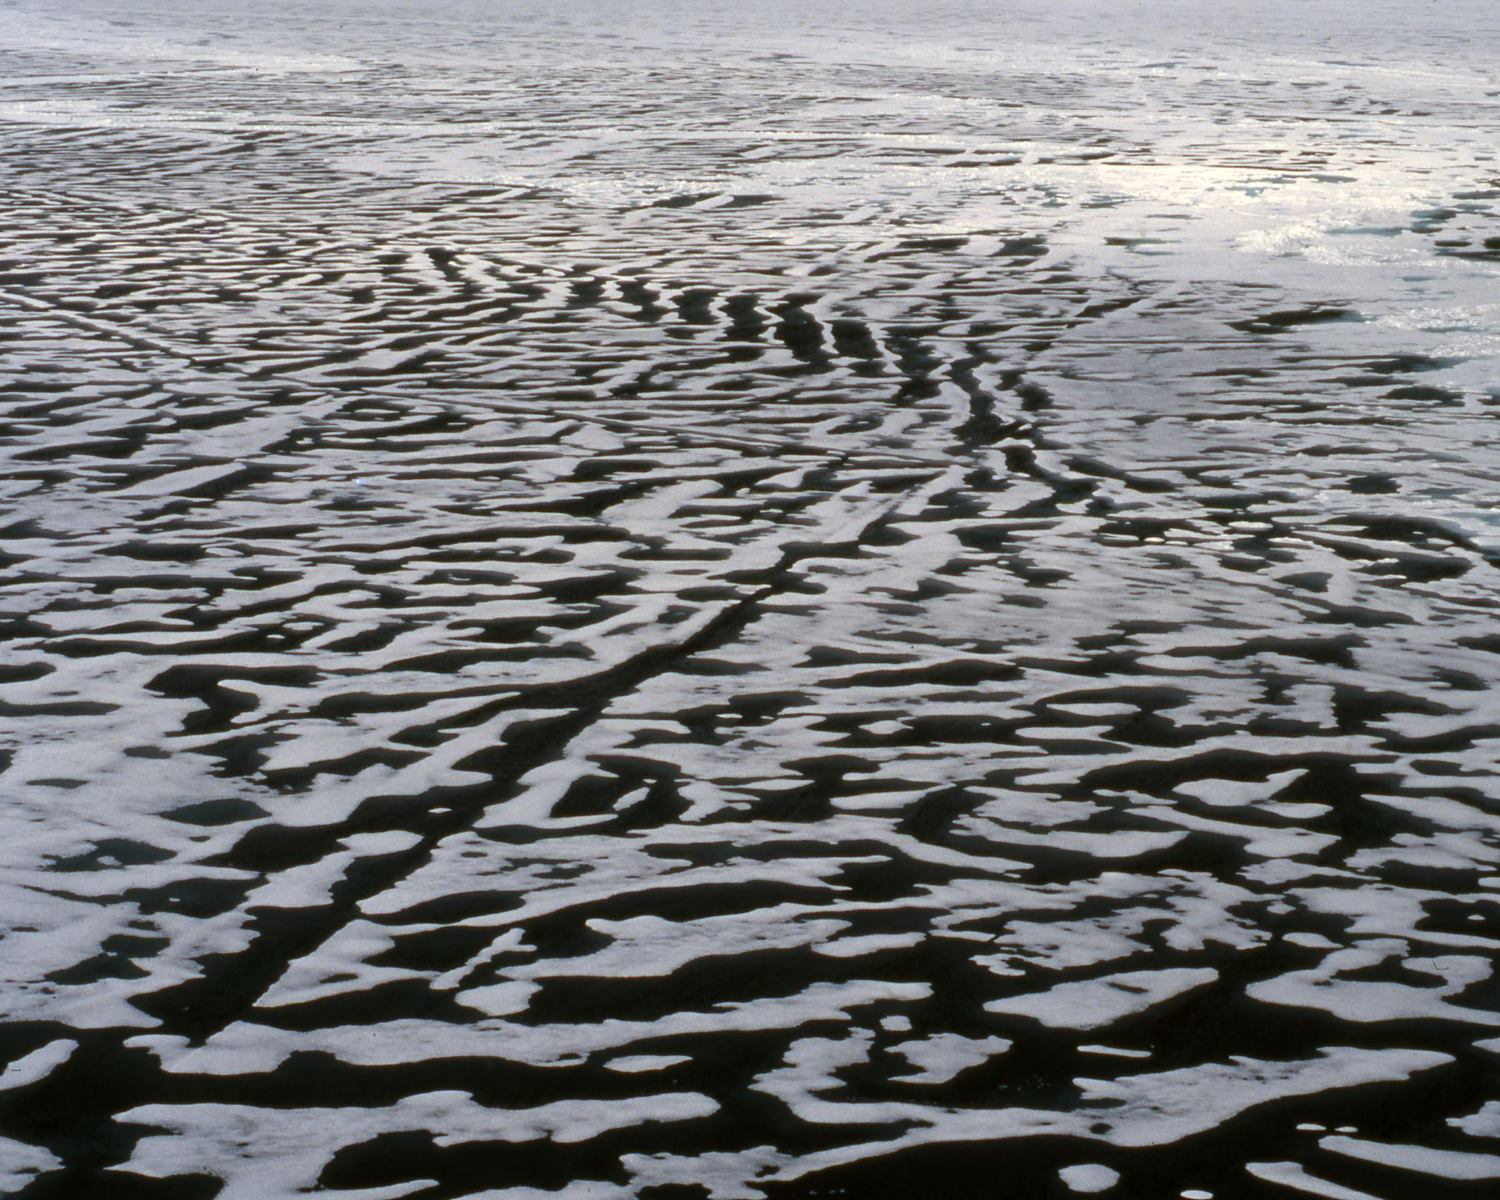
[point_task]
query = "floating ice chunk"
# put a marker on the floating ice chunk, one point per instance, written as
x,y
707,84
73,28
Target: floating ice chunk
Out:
x,y
812,1066
1089,1178
1233,793
1113,1051
499,999
20,1163
245,1047
647,946
873,943
260,1154
1138,1110
1484,1123
943,1056
1260,841
1296,812
184,480
1312,941
1324,987
1095,1003
578,1189
725,1174
342,964
1450,814
1163,1108
37,1065
1445,1164
1106,709
635,1064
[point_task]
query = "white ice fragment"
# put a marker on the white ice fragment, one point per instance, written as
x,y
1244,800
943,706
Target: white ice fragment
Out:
x,y
260,1154
944,1056
872,943
499,999
20,1163
1113,1051
1233,793
1484,1123
1291,1175
1095,1003
725,1175
1326,987
38,1064
1445,1164
635,1064
1089,1178
1313,941
1162,1108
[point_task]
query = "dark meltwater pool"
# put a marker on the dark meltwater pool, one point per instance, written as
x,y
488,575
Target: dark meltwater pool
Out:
x,y
749,601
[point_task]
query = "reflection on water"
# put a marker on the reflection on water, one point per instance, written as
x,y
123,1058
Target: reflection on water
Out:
x,y
772,601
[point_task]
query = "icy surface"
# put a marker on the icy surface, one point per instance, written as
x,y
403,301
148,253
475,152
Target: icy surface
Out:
x,y
749,600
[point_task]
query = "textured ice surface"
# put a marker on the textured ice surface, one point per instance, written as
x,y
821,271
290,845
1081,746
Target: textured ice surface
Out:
x,y
1089,1178
749,601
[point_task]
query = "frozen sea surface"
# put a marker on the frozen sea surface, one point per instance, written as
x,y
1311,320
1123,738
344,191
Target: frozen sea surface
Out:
x,y
763,600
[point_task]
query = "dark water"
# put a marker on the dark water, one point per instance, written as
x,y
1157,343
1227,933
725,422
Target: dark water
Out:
x,y
674,601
